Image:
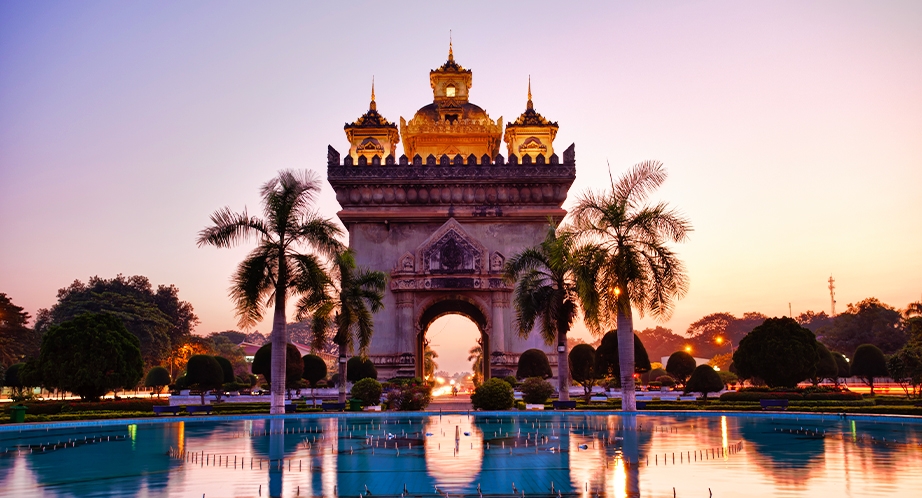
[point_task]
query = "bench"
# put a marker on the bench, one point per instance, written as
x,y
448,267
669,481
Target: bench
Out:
x,y
199,408
158,410
333,407
774,404
564,405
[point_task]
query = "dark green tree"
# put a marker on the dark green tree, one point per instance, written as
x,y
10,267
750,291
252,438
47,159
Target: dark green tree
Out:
x,y
826,367
157,378
536,391
551,280
905,367
360,368
315,370
90,355
533,363
606,357
204,373
841,365
11,379
227,368
780,352
277,268
680,365
17,340
294,367
704,380
345,306
582,367
867,363
868,322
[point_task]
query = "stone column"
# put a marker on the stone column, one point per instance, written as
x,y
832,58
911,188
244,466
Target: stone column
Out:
x,y
406,332
500,309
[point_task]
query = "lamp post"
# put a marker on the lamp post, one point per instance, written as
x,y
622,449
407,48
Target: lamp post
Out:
x,y
720,341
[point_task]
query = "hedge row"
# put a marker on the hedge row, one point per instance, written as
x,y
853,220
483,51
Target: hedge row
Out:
x,y
117,405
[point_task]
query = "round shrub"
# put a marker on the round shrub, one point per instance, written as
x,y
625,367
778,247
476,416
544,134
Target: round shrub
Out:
x,y
704,380
262,364
368,391
409,395
607,361
315,369
680,366
780,352
227,368
534,363
511,380
665,380
869,362
535,390
494,394
358,369
157,378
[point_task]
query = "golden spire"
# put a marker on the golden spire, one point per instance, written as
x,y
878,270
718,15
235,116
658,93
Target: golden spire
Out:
x,y
372,105
451,54
530,105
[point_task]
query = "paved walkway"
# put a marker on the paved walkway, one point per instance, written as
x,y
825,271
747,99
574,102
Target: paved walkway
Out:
x,y
461,402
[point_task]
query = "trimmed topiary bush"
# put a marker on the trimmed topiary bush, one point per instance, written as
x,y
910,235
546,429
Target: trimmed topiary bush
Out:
x,y
680,366
536,391
511,380
666,381
607,363
227,368
262,364
368,391
205,373
780,352
358,369
704,380
494,394
869,362
534,363
157,378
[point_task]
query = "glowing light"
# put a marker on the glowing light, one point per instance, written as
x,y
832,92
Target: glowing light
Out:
x,y
723,433
716,369
619,481
688,349
720,340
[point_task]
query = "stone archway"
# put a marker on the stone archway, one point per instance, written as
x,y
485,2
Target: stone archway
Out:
x,y
452,305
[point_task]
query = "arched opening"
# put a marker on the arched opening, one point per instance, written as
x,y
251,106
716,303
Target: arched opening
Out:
x,y
454,338
471,324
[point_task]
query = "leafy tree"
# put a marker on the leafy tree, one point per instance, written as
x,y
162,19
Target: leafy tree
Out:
x,y
661,341
17,340
276,268
223,347
704,380
227,368
780,352
841,365
905,367
294,368
869,362
536,391
582,367
868,322
680,366
360,368
606,357
714,333
205,373
533,363
90,355
315,370
368,391
11,379
345,305
157,318
826,366
494,394
636,269
232,336
157,378
551,280
814,321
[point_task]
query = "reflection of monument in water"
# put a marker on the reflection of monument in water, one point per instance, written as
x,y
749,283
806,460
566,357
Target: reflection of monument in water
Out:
x,y
442,218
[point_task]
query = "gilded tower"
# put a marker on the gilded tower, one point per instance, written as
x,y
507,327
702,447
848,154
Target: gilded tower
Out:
x,y
531,134
371,136
451,125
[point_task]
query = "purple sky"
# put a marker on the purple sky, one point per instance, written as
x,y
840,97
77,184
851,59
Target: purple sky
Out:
x,y
792,131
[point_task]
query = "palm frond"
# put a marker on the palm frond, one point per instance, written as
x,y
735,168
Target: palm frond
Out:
x,y
252,282
231,228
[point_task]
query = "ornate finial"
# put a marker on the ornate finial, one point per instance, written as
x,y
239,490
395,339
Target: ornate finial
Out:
x,y
373,106
451,54
530,105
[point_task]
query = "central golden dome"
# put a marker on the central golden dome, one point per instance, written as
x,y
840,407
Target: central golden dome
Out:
x,y
451,125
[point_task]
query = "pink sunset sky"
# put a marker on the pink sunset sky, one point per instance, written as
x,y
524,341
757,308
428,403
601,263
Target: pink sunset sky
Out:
x,y
792,131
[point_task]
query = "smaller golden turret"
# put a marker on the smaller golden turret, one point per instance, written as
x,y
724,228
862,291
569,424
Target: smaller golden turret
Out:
x,y
371,135
531,134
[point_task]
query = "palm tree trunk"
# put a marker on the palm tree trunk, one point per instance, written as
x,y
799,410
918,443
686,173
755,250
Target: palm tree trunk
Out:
x,y
563,367
342,373
279,340
626,358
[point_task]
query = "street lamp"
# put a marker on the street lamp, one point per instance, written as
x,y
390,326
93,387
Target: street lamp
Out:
x,y
688,349
720,341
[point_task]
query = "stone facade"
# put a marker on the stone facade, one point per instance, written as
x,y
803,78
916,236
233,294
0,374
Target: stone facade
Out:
x,y
442,228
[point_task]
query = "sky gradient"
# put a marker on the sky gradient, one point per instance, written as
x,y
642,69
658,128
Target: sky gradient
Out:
x,y
792,132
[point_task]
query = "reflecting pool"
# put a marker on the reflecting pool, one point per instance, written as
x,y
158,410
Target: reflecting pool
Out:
x,y
576,454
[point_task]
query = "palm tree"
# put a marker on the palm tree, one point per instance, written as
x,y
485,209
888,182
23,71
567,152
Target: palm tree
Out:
x,y
552,279
275,269
636,269
429,363
346,306
475,354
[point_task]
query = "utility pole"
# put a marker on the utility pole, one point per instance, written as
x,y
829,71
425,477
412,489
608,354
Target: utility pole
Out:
x,y
832,294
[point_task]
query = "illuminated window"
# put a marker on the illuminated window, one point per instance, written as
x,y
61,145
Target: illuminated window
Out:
x,y
450,91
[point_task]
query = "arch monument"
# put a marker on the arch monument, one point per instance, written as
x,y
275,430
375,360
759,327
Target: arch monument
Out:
x,y
442,218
